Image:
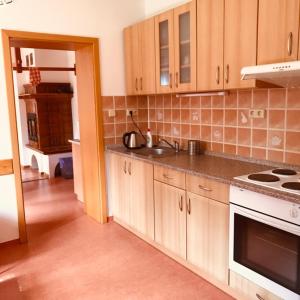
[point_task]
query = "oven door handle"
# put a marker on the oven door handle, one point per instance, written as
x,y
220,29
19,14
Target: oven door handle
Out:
x,y
277,223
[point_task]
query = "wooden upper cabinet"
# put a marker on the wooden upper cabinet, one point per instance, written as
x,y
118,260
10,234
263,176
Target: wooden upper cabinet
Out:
x,y
132,55
164,52
210,41
139,41
278,31
185,47
240,41
147,57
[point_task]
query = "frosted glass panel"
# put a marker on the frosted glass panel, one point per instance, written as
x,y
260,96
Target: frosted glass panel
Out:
x,y
164,53
184,48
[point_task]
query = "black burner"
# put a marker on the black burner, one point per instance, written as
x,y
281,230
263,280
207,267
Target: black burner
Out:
x,y
263,177
286,172
292,186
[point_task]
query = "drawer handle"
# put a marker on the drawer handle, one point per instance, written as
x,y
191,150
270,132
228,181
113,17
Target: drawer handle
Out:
x,y
181,203
188,207
290,44
218,75
167,177
124,168
204,188
259,297
129,168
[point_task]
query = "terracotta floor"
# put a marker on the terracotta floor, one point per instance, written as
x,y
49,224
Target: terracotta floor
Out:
x,y
69,256
29,174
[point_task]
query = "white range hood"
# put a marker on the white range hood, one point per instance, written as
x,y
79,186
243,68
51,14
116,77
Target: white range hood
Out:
x,y
285,74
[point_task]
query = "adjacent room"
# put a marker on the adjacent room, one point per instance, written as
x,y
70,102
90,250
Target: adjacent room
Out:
x,y
150,149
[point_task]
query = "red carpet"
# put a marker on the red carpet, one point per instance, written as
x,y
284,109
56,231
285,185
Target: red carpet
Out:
x,y
69,256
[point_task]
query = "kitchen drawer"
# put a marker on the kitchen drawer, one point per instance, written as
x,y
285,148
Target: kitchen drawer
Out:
x,y
208,188
170,176
248,289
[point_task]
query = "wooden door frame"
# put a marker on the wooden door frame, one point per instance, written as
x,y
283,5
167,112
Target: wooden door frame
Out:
x,y
89,110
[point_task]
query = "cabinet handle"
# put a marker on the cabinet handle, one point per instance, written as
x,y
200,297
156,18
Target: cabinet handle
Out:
x,y
290,44
227,74
188,208
181,203
218,75
125,167
204,188
141,83
258,296
167,177
129,168
176,79
136,84
171,79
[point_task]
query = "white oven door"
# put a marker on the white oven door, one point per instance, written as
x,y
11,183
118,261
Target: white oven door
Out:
x,y
266,251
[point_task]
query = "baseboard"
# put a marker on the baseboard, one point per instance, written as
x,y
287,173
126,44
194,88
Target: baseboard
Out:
x,y
26,167
10,243
110,219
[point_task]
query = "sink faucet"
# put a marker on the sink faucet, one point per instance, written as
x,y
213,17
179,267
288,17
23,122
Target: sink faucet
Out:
x,y
175,146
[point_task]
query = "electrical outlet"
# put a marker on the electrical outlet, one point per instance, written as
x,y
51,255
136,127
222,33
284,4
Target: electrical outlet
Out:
x,y
134,112
257,113
111,113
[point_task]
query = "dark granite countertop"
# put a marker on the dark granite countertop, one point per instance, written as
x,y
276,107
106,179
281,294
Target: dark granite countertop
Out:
x,y
214,167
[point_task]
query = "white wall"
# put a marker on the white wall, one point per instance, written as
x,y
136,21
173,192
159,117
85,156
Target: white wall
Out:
x,y
153,7
95,18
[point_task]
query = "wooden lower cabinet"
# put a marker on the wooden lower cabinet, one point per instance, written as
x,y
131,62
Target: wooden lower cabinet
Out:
x,y
207,235
119,186
218,240
142,200
197,233
170,218
248,289
131,192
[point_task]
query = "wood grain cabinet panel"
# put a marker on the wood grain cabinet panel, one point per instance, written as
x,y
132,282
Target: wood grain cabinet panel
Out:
x,y
207,235
248,289
240,41
139,46
147,82
218,240
131,191
142,199
164,49
185,43
170,218
197,231
170,176
278,31
208,188
210,43
120,187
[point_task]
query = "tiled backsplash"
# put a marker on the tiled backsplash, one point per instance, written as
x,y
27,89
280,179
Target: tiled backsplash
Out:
x,y
221,122
114,127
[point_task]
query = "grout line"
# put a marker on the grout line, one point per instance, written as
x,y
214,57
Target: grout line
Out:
x,y
285,125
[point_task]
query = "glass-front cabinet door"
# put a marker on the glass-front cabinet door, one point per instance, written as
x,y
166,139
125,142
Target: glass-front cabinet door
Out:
x,y
164,52
185,47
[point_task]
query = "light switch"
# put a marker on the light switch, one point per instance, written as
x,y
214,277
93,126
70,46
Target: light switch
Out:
x,y
111,113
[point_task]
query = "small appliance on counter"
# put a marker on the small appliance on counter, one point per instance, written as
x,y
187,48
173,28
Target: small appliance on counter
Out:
x,y
193,147
130,140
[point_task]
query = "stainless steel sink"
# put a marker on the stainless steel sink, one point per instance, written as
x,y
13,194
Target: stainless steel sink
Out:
x,y
155,152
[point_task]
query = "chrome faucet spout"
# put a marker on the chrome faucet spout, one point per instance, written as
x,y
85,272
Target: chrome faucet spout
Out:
x,y
175,146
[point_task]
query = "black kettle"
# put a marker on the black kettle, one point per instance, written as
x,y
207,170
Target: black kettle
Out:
x,y
130,140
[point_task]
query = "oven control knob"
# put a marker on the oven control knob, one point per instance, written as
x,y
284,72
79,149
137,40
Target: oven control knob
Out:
x,y
294,212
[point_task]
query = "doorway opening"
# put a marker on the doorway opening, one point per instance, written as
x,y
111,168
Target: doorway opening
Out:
x,y
89,113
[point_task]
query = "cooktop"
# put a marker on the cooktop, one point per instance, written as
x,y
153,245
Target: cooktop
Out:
x,y
286,180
